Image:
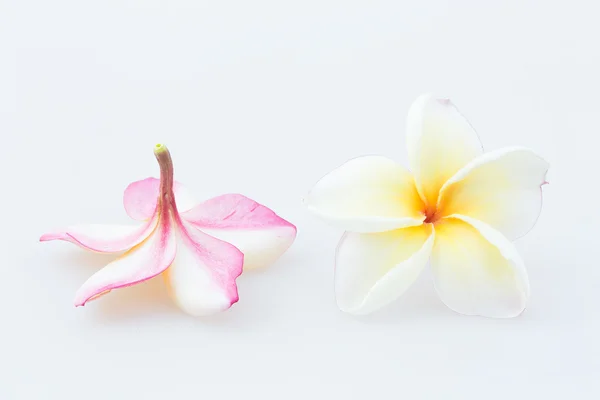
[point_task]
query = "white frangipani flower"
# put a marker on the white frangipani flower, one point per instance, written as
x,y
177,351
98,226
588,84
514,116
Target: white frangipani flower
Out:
x,y
458,209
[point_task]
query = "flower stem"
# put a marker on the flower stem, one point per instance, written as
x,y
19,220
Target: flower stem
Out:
x,y
166,197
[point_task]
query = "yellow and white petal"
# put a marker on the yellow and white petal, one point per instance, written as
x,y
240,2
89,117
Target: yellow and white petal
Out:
x,y
477,271
367,194
501,188
440,142
373,269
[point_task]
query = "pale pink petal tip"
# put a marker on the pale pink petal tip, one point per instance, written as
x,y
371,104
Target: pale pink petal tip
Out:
x,y
54,236
289,225
234,298
80,302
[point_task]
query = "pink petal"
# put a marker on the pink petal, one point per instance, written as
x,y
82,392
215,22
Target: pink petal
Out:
x,y
144,261
256,230
202,277
103,238
140,198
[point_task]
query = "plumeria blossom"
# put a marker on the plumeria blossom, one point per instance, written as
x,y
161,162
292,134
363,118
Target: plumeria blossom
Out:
x,y
199,249
458,208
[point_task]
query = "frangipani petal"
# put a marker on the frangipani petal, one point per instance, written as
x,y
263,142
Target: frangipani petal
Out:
x,y
477,271
367,194
103,238
140,198
142,262
440,141
501,188
254,229
373,269
202,278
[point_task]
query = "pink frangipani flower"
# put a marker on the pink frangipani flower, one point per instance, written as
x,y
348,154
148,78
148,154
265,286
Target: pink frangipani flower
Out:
x,y
199,249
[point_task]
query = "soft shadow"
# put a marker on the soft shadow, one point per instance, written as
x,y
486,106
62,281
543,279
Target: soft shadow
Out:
x,y
254,308
258,289
419,303
148,299
81,259
145,299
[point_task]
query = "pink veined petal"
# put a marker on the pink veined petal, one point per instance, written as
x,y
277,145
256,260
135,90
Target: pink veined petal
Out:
x,y
201,280
103,238
140,198
254,229
144,261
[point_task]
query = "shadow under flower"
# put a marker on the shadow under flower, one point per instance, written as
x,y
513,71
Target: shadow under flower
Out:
x,y
419,303
150,299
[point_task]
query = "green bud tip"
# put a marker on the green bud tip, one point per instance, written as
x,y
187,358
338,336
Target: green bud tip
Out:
x,y
159,148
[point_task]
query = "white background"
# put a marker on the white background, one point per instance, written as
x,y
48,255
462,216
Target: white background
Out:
x,y
263,98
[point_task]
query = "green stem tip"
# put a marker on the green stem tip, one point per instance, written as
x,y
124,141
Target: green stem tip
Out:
x,y
159,148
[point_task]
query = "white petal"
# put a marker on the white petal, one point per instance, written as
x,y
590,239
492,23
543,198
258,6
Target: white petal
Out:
x,y
477,271
201,280
501,188
373,269
367,194
440,141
